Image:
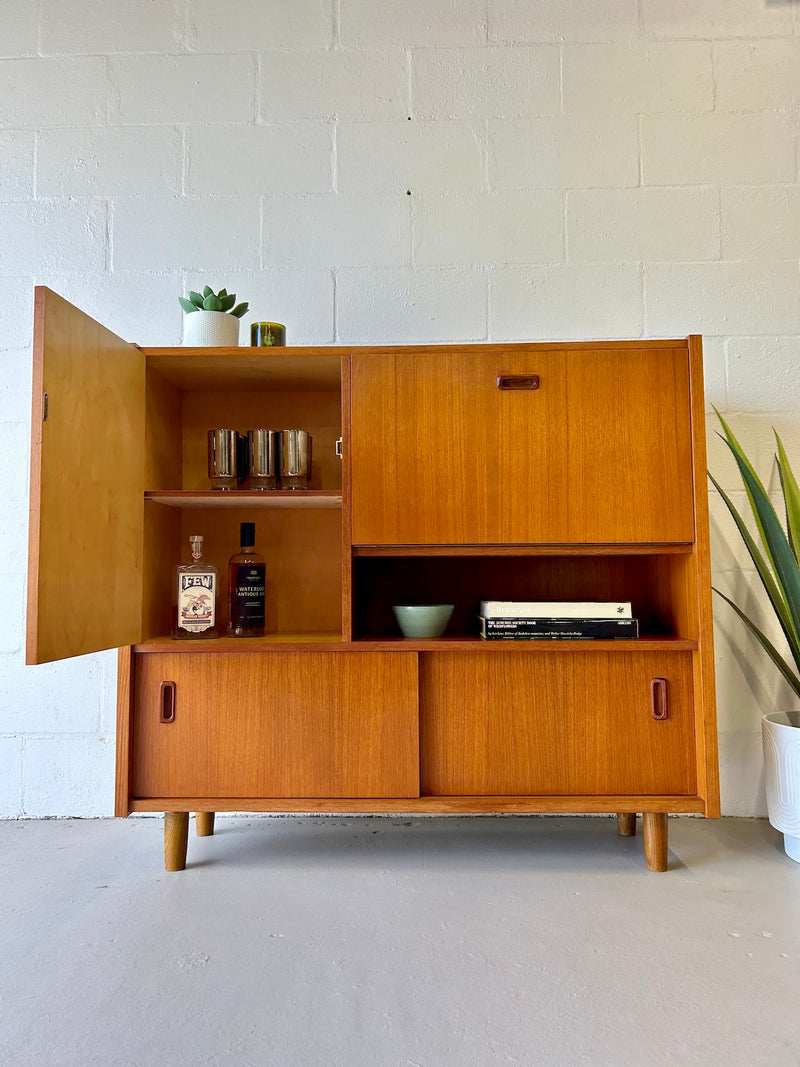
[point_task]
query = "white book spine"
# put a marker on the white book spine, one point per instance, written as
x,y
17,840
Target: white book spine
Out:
x,y
556,609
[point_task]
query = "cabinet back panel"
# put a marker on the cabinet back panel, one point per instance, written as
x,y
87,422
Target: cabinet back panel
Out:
x,y
163,550
464,581
303,555
319,413
163,433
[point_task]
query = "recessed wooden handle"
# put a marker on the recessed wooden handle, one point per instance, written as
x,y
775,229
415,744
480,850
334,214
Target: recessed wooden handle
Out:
x,y
658,698
167,702
518,381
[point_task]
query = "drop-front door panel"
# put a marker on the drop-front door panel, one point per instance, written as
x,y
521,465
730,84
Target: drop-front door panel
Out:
x,y
276,725
555,724
599,451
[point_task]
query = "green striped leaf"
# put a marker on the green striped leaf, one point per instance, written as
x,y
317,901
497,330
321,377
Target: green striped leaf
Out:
x,y
770,649
739,455
787,572
791,496
789,625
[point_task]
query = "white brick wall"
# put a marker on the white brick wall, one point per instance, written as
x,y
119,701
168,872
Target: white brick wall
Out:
x,y
374,171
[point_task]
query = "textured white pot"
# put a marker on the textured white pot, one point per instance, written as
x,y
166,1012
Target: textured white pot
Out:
x,y
203,329
780,732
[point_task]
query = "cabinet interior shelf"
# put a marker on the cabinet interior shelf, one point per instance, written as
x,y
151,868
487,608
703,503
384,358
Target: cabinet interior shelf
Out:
x,y
286,642
237,498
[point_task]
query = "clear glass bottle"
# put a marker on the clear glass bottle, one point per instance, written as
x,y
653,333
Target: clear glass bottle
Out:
x,y
246,587
196,594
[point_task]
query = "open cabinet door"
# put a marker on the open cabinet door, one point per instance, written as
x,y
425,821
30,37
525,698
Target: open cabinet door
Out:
x,y
87,485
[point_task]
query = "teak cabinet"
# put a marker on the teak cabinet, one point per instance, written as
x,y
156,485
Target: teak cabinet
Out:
x,y
519,471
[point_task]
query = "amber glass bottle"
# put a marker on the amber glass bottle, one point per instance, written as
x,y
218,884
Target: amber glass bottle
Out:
x,y
246,587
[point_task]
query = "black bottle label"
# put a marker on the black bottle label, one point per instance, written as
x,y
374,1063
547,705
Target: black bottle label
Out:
x,y
248,593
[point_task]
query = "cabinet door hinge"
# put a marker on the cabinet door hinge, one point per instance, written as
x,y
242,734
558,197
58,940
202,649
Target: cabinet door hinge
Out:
x,y
44,407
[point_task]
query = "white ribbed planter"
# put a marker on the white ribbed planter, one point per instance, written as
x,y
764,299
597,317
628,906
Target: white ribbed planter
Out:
x,y
780,732
215,329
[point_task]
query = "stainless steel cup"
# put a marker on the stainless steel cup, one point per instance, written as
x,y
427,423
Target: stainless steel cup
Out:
x,y
262,449
295,452
222,468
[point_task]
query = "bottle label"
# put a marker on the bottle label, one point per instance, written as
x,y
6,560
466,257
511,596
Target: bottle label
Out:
x,y
248,593
197,601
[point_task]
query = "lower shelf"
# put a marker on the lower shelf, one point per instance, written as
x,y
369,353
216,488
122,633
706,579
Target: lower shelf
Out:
x,y
333,642
584,805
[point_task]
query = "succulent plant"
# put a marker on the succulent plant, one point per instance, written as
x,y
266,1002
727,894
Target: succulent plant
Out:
x,y
208,300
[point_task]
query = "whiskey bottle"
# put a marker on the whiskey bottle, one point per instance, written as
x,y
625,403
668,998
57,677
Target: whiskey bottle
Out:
x,y
246,587
196,591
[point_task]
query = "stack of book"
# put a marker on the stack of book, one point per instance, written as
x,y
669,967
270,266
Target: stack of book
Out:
x,y
571,620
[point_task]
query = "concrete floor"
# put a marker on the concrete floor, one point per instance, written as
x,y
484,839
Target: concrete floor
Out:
x,y
397,942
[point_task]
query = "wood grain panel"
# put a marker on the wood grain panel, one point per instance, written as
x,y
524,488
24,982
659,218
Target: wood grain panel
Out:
x,y
302,552
705,700
123,735
291,725
483,805
646,580
319,413
600,452
245,368
554,724
163,550
163,432
87,481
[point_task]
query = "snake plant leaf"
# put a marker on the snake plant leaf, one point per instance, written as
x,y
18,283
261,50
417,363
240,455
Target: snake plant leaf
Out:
x,y
776,597
227,301
208,291
791,496
239,310
787,571
187,305
196,299
739,455
212,303
770,649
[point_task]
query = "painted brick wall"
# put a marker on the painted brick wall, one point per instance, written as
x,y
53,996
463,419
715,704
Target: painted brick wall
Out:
x,y
377,171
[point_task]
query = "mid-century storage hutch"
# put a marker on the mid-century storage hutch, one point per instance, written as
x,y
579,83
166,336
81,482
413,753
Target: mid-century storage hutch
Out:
x,y
468,472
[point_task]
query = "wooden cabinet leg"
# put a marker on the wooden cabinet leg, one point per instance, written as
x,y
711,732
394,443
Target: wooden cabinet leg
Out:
x,y
176,838
204,823
626,823
654,824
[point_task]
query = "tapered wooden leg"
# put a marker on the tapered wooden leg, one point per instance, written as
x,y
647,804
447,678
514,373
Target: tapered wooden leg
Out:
x,y
204,823
654,824
176,838
626,823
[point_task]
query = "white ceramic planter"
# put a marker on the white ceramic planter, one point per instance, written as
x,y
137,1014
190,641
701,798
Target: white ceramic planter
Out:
x,y
204,329
780,732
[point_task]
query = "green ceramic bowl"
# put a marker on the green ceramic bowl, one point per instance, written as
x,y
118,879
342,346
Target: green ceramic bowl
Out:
x,y
422,620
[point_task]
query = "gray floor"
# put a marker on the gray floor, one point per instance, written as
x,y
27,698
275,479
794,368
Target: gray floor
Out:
x,y
433,942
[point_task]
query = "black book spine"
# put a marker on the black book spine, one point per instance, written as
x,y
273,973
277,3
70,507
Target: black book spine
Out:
x,y
561,629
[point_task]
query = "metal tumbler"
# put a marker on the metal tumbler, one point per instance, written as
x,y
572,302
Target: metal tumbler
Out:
x,y
222,467
295,453
262,449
